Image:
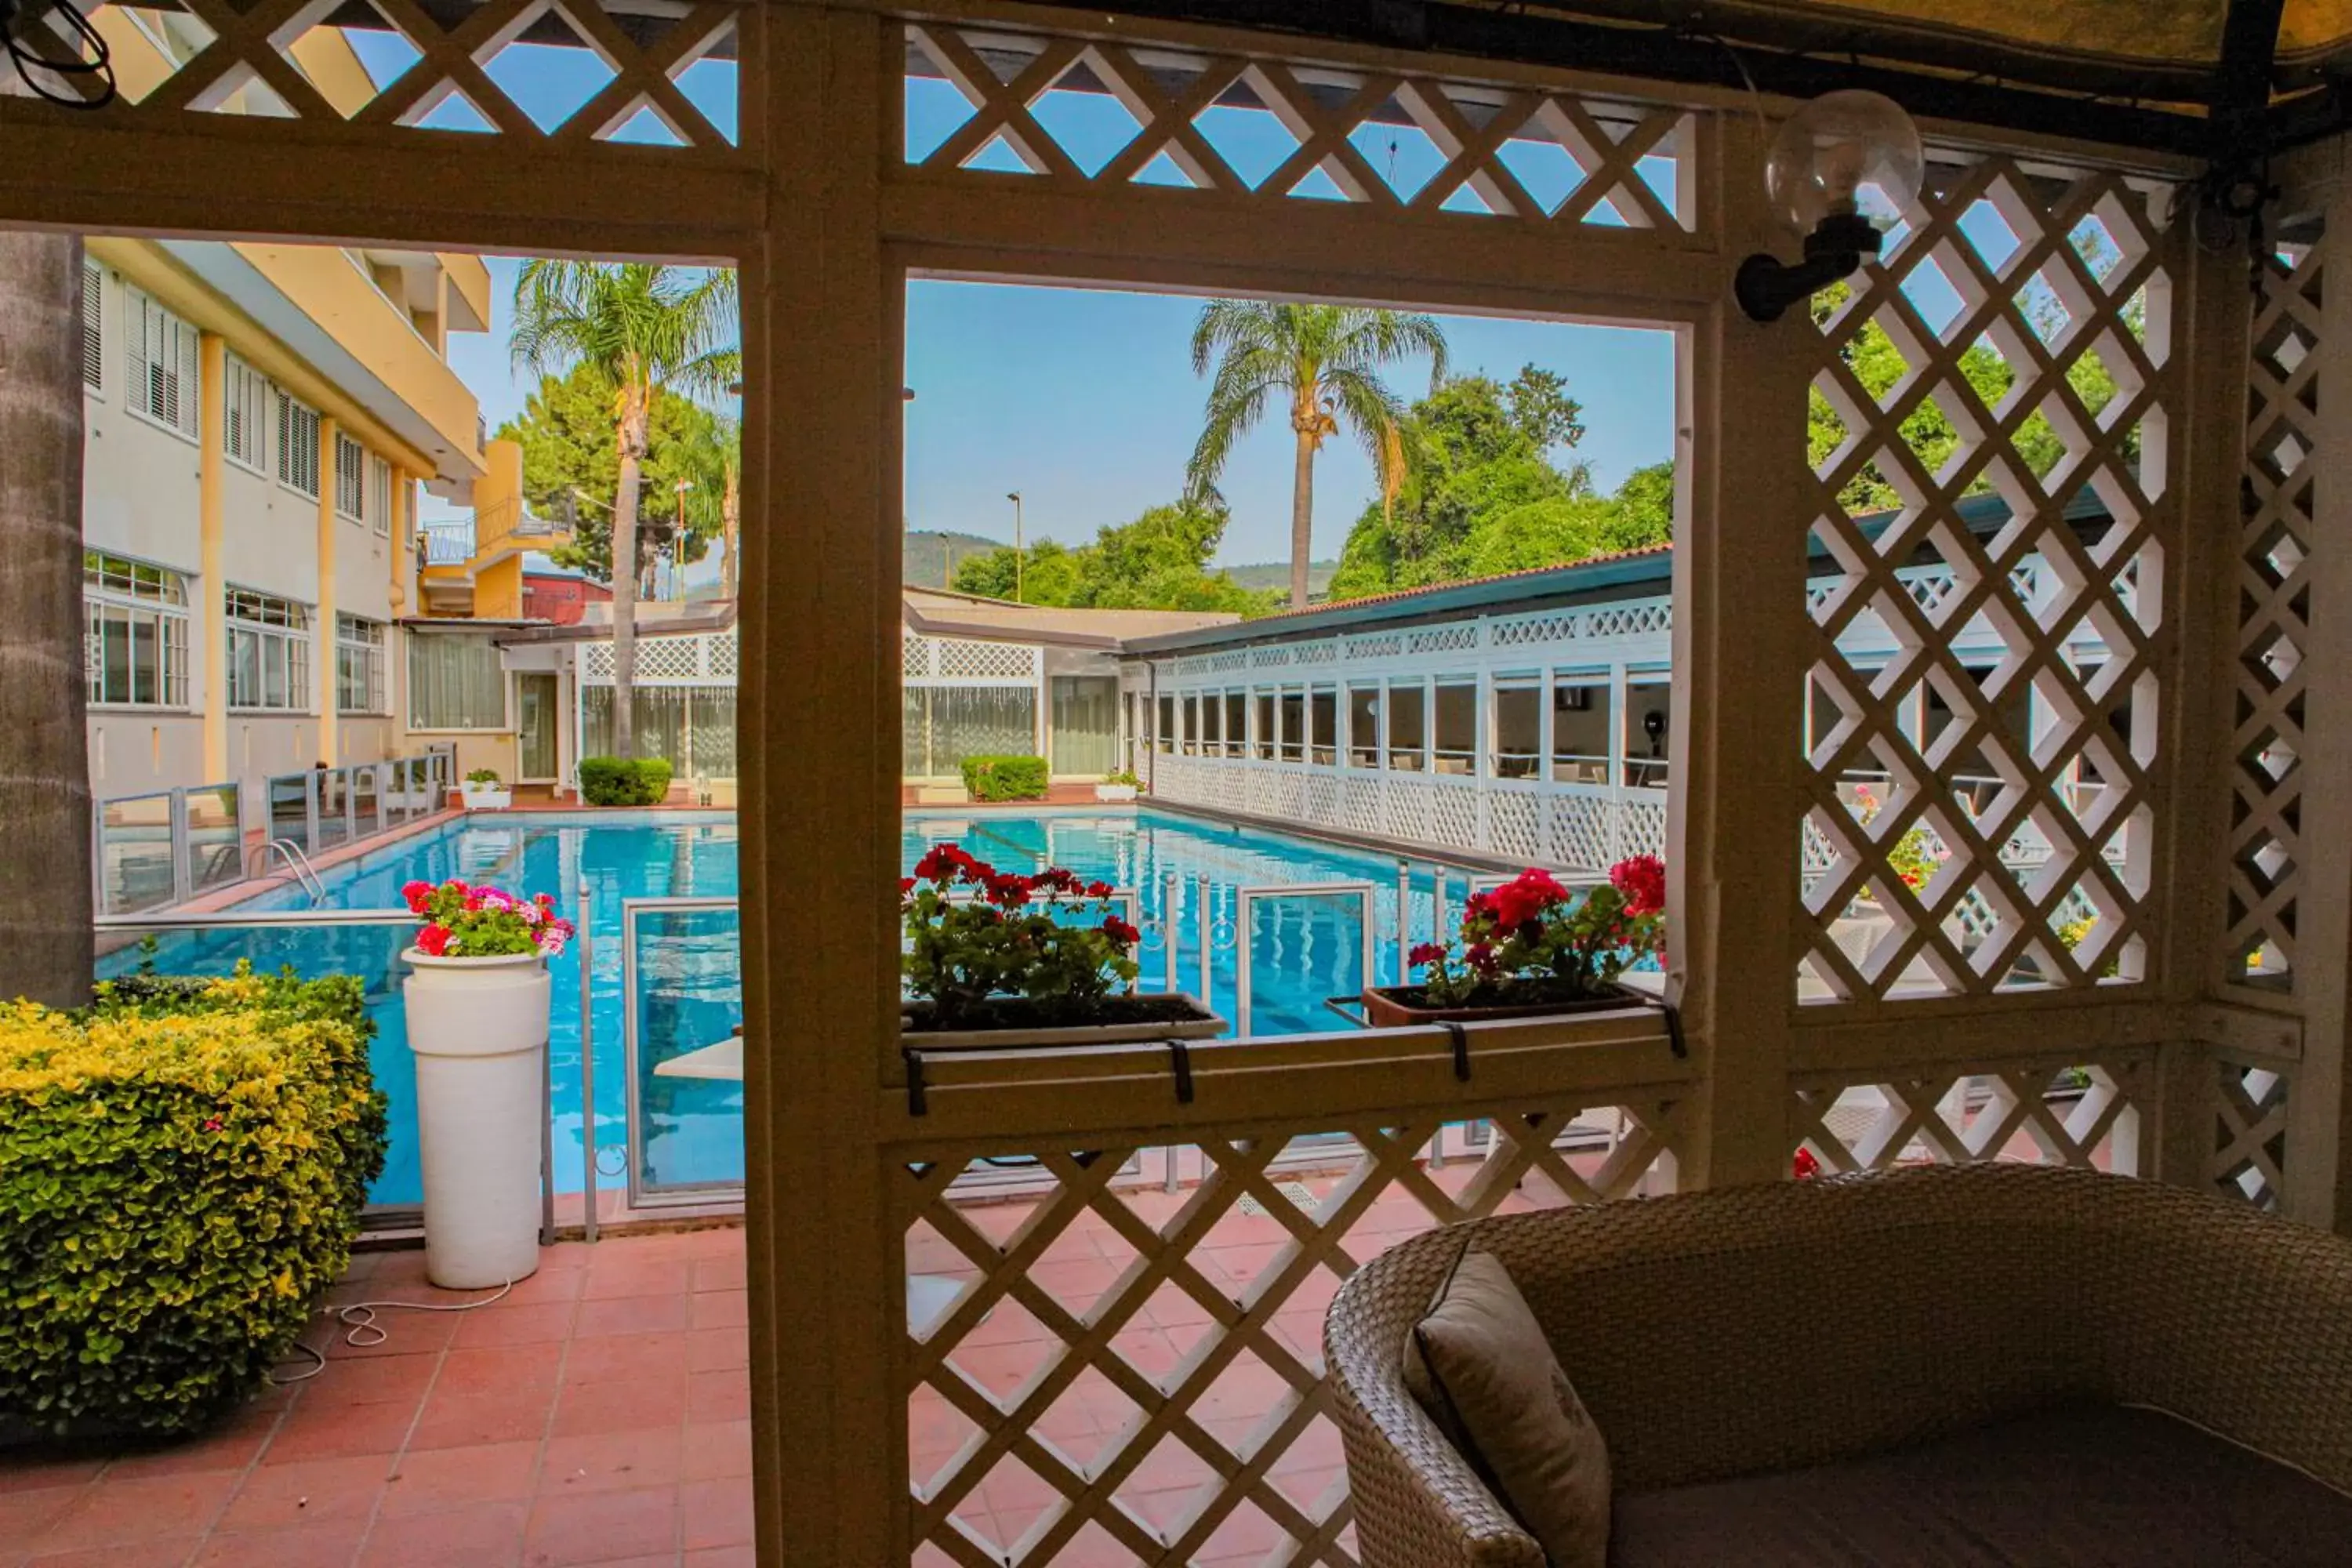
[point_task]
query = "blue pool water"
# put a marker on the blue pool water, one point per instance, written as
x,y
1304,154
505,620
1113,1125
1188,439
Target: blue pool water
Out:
x,y
1304,947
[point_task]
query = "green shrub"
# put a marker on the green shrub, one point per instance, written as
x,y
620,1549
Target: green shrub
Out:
x,y
613,781
1005,778
484,777
182,1170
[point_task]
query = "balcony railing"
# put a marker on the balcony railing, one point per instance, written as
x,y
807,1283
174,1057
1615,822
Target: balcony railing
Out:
x,y
447,543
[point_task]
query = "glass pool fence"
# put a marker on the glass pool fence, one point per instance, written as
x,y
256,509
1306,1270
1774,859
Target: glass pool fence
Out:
x,y
648,1010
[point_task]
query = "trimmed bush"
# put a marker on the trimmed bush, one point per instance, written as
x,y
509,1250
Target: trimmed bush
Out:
x,y
615,781
182,1171
1005,778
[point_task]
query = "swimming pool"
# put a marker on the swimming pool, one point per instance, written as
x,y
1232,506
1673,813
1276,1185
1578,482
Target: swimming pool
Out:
x,y
1304,947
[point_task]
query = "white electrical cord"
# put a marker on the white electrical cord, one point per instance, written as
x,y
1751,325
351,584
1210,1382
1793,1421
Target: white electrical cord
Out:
x,y
359,1320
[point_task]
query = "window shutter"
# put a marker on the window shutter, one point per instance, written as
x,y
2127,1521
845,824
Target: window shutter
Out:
x,y
93,331
138,313
188,414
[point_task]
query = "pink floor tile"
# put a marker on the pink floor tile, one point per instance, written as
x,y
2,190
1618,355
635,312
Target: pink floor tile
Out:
x,y
147,1507
279,1497
432,1480
612,1461
328,1544
566,1530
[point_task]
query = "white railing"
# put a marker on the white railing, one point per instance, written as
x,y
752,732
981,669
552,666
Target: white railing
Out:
x,y
701,658
1586,827
447,543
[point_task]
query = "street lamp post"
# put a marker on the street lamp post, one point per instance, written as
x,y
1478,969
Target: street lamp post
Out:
x,y
1018,557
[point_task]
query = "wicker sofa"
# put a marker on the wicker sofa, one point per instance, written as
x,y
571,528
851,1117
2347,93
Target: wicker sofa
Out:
x,y
1946,1364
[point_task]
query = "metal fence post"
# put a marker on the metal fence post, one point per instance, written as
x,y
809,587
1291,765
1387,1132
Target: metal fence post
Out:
x,y
1405,922
312,783
1170,902
97,857
587,1066
183,881
1207,938
350,805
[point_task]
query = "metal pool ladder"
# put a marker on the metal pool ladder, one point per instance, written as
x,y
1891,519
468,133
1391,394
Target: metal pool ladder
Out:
x,y
306,876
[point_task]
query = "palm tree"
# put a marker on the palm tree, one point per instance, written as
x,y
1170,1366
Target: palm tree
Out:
x,y
648,329
45,877
1326,359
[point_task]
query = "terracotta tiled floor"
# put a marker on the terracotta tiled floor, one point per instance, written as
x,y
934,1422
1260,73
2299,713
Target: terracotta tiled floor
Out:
x,y
600,1414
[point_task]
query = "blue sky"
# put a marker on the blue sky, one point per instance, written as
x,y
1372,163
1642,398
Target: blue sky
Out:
x,y
1084,400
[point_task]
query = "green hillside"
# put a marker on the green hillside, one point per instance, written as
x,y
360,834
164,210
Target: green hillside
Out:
x,y
928,554
1276,575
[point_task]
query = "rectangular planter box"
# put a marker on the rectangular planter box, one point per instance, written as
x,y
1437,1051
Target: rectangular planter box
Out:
x,y
1386,1007
1203,1024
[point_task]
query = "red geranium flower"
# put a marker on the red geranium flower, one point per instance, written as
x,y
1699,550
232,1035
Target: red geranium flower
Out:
x,y
433,941
1805,1167
1119,932
1098,889
1642,879
1426,952
415,893
906,886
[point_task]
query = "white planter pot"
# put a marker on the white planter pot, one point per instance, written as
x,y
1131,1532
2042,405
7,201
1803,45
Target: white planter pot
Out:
x,y
487,797
1114,792
478,1029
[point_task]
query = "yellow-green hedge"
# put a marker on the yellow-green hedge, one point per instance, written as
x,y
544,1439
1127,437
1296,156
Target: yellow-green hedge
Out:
x,y
182,1170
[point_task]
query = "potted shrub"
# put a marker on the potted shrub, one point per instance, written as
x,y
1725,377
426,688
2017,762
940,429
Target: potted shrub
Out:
x,y
484,791
1121,785
994,959
477,1007
1531,947
182,1171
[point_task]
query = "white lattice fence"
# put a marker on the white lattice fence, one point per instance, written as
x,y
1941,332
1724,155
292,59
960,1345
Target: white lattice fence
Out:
x,y
2010,350
2061,1109
2274,546
1112,1372
2250,1131
1214,123
667,74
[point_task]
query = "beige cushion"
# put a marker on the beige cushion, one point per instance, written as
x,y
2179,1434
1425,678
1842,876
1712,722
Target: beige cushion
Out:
x,y
1487,1359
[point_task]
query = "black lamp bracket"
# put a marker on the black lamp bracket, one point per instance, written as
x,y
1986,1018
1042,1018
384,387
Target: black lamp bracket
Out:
x,y
1766,286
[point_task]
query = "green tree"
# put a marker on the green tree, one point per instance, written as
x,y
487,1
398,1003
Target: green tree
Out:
x,y
1324,362
1158,562
571,468
648,329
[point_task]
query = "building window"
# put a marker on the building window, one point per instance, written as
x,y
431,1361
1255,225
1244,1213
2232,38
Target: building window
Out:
x,y
359,666
351,477
246,439
268,653
454,682
298,445
379,495
136,641
93,327
163,365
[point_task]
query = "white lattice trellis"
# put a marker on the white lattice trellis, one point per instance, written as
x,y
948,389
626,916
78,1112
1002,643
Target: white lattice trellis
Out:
x,y
2049,1111
706,659
2250,1131
2274,545
2010,350
1203,122
1122,1373
662,68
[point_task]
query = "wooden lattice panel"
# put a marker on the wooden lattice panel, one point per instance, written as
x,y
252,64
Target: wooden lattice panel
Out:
x,y
2250,1127
1103,115
2273,603
2051,1111
1990,417
1108,1371
662,76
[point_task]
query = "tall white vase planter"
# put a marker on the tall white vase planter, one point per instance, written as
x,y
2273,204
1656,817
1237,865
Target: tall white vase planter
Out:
x,y
478,1029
